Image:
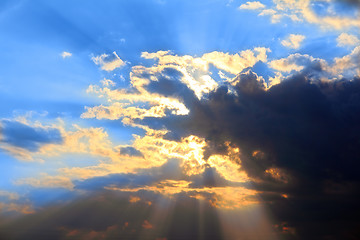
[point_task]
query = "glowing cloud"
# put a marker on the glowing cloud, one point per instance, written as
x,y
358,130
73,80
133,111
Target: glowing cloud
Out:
x,y
294,41
346,39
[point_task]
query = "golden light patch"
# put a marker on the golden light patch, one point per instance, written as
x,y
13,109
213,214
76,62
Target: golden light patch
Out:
x,y
220,197
134,199
278,175
147,225
14,207
258,154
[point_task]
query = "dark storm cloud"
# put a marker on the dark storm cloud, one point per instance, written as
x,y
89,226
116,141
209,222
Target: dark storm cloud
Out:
x,y
109,215
355,3
30,138
300,138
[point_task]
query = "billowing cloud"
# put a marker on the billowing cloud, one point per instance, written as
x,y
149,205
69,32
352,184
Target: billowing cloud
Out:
x,y
340,66
295,62
294,41
296,126
237,62
283,136
347,65
219,138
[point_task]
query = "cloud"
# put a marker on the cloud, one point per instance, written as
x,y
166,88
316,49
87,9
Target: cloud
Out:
x,y
130,151
300,11
134,199
345,39
147,225
240,143
108,62
305,130
107,83
252,5
213,184
9,195
11,202
171,74
14,207
294,41
47,181
295,62
347,65
66,54
21,135
295,141
274,15
237,62
113,217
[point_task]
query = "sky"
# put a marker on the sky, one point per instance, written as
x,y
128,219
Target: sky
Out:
x,y
179,119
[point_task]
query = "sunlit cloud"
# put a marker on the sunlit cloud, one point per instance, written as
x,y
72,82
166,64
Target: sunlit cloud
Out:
x,y
220,197
300,11
252,5
294,41
9,195
47,181
14,207
346,39
234,122
108,62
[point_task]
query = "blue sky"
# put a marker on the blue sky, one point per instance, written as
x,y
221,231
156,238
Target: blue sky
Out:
x,y
97,91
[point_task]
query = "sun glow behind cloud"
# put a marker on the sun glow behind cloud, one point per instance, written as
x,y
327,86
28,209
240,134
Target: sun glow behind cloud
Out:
x,y
165,142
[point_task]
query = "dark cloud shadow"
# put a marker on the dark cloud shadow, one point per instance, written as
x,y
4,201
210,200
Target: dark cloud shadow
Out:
x,y
30,138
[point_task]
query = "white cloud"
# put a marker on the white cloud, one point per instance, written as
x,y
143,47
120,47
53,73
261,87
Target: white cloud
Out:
x,y
295,62
107,83
108,62
347,65
302,10
346,39
275,18
66,54
252,5
294,41
235,63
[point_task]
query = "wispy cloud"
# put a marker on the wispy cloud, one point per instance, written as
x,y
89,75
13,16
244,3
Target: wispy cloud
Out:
x,y
108,62
66,54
